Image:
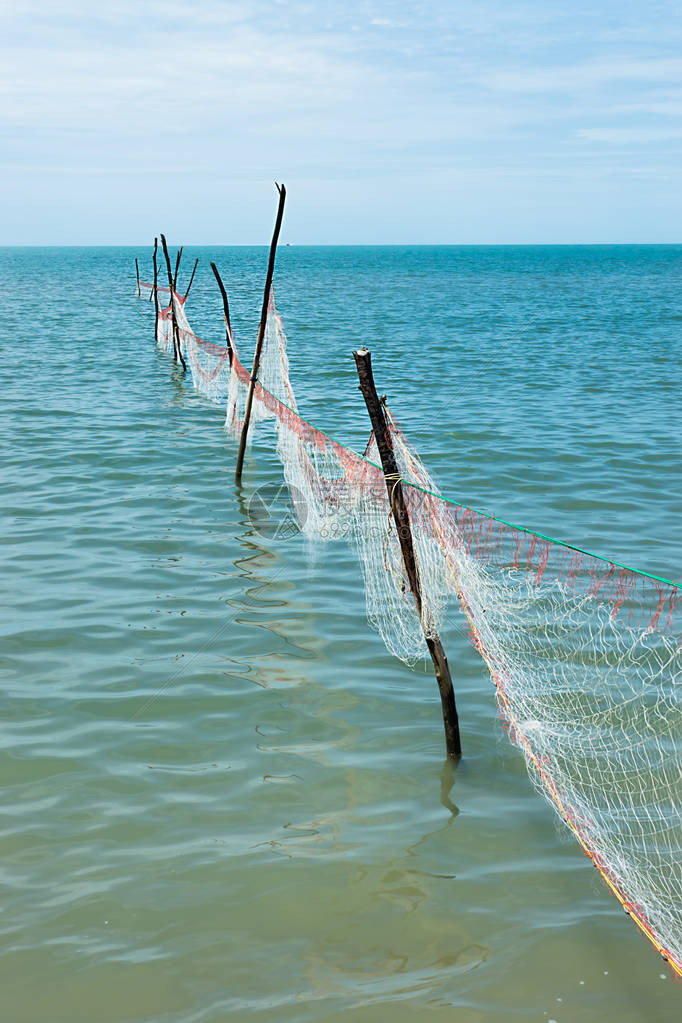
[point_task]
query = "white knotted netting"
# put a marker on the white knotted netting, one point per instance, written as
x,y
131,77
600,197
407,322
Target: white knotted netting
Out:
x,y
584,653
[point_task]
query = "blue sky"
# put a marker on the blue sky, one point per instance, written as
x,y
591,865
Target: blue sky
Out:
x,y
441,122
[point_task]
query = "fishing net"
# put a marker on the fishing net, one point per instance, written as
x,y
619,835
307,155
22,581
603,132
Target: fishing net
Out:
x,y
586,660
584,654
164,324
164,329
208,363
146,291
273,377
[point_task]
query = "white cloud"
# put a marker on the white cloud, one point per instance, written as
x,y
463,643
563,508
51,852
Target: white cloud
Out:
x,y
586,75
630,136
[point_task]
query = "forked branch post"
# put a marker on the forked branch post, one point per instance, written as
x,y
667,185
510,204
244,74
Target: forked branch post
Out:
x,y
177,352
396,499
155,290
194,270
177,267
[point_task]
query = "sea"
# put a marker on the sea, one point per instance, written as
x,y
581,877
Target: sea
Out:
x,y
221,797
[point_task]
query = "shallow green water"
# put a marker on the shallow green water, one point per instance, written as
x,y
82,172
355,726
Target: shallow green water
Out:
x,y
221,797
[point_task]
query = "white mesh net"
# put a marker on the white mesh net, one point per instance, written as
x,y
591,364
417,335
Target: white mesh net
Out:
x,y
208,363
146,292
584,654
164,324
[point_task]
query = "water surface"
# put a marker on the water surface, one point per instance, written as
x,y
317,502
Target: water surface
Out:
x,y
221,797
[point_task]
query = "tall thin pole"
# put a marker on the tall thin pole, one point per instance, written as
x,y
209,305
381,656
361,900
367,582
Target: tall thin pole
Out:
x,y
396,498
177,267
177,351
155,289
226,312
137,274
194,270
151,291
261,332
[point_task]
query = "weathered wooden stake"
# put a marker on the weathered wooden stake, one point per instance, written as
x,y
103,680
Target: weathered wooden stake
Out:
x,y
155,289
396,498
194,270
261,332
177,267
137,274
226,312
151,290
177,351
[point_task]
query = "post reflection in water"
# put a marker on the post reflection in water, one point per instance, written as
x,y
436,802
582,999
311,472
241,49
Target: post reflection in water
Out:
x,y
447,781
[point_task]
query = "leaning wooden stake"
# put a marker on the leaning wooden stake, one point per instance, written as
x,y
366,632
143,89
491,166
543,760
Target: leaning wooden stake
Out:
x,y
194,270
226,313
155,289
137,274
177,351
177,267
261,332
396,497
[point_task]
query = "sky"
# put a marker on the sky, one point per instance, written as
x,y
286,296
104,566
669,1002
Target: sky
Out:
x,y
447,122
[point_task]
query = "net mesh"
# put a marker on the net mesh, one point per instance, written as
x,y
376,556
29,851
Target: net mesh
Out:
x,y
164,323
146,291
209,363
585,654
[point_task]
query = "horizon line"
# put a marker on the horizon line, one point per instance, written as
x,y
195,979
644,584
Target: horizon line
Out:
x,y
343,245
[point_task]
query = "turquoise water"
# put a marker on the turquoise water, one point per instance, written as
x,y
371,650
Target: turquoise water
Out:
x,y
221,797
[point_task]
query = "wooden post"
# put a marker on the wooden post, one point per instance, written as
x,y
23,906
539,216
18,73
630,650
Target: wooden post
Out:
x,y
155,289
177,352
137,274
261,332
396,498
226,312
151,292
177,267
196,263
